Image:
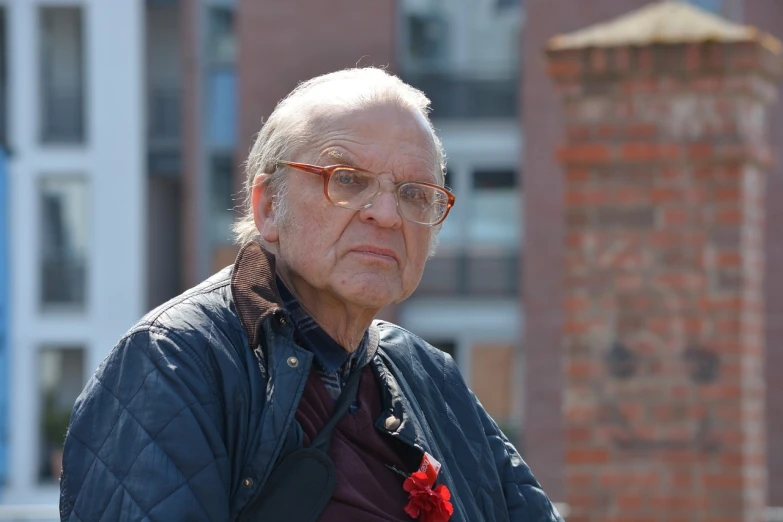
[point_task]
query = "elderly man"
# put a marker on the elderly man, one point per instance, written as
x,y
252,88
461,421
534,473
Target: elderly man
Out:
x,y
268,392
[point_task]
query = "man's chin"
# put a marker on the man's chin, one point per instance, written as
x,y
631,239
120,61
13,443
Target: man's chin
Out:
x,y
369,296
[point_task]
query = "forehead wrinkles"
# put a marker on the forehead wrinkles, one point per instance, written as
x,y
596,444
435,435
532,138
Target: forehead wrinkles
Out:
x,y
401,166
385,138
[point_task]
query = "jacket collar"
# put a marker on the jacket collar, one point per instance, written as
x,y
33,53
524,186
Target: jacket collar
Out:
x,y
254,290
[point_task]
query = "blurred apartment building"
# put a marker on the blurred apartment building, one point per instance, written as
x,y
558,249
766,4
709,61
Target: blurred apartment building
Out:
x,y
127,122
72,118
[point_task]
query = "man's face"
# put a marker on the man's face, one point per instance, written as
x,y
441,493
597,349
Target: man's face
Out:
x,y
367,258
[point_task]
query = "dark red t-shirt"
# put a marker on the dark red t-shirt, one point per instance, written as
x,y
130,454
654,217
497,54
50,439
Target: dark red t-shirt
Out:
x,y
366,489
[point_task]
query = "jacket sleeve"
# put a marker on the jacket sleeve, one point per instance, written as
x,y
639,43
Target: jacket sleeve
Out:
x,y
525,500
144,440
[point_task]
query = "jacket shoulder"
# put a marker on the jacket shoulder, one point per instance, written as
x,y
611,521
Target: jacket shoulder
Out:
x,y
415,355
211,299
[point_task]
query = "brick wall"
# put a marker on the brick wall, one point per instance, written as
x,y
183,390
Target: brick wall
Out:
x,y
665,157
542,270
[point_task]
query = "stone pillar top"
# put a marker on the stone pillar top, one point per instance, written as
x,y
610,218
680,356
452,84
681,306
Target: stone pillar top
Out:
x,y
665,22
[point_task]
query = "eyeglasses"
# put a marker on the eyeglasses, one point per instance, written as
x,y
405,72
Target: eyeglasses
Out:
x,y
357,189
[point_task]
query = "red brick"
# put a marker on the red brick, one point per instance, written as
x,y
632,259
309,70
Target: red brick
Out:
x,y
700,151
723,481
585,154
622,59
693,57
727,194
729,259
644,59
581,370
675,216
576,435
665,195
681,502
630,502
728,216
565,68
642,130
599,61
649,151
592,456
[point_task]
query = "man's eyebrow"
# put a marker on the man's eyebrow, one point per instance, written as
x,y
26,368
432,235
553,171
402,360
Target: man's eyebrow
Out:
x,y
337,157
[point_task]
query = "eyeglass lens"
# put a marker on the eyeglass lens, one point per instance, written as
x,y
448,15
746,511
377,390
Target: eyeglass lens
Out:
x,y
417,202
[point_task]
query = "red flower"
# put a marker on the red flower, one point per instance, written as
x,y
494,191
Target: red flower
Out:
x,y
425,503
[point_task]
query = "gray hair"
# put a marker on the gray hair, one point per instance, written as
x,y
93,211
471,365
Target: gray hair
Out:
x,y
287,131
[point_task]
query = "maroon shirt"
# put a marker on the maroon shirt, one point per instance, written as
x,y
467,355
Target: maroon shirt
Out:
x,y
365,489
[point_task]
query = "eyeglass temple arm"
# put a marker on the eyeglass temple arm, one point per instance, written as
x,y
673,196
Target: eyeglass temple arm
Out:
x,y
312,169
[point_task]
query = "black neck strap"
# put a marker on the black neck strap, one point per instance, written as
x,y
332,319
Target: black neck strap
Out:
x,y
347,396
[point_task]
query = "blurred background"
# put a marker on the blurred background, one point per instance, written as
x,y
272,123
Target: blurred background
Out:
x,y
125,124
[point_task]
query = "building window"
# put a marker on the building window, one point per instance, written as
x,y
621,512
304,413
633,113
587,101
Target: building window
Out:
x,y
494,208
222,37
221,79
221,197
62,75
463,55
63,240
426,37
221,111
62,374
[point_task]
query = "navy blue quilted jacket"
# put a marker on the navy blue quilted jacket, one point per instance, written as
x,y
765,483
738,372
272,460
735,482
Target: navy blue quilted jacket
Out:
x,y
186,417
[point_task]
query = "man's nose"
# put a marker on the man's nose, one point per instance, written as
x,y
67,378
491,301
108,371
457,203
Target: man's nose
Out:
x,y
383,211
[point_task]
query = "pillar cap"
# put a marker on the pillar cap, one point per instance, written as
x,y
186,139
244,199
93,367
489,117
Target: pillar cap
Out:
x,y
664,22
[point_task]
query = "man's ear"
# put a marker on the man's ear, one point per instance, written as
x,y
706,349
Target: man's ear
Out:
x,y
263,213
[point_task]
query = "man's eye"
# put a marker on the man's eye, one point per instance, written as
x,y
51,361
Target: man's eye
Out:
x,y
344,178
414,193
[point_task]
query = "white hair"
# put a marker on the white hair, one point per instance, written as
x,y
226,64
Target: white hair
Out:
x,y
288,131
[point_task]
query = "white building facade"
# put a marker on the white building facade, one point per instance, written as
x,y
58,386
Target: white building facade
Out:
x,y
77,186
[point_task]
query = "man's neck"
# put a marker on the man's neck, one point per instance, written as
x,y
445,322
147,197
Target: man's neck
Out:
x,y
344,323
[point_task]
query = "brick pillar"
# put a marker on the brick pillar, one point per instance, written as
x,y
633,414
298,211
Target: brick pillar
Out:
x,y
542,267
664,156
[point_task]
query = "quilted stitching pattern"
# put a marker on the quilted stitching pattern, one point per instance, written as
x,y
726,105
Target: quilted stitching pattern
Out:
x,y
487,466
146,441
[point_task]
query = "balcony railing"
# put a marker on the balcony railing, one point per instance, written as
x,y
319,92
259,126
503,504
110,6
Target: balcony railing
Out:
x,y
164,131
485,273
164,118
63,117
463,96
64,281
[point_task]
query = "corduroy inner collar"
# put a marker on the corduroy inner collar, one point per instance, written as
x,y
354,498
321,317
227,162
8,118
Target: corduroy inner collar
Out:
x,y
254,289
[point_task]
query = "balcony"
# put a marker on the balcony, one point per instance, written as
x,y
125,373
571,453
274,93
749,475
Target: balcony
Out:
x,y
486,273
63,117
164,131
64,281
463,96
